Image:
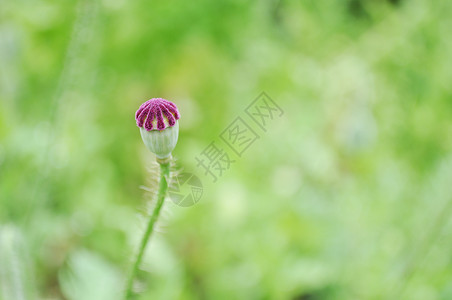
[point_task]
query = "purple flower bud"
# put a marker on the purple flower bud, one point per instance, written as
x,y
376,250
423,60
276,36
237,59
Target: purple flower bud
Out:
x,y
157,119
157,113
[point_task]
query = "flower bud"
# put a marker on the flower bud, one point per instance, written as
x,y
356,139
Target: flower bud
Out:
x,y
157,119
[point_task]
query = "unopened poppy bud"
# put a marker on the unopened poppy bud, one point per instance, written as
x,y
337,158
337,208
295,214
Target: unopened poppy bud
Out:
x,y
157,119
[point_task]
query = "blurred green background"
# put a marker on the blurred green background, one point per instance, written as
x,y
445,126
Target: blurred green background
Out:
x,y
346,196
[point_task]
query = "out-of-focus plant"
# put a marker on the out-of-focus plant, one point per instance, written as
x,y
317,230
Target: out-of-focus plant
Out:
x,y
15,275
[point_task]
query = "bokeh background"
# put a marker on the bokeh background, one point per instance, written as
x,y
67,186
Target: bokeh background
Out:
x,y
346,196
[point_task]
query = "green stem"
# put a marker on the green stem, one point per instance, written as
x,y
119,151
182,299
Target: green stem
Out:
x,y
163,187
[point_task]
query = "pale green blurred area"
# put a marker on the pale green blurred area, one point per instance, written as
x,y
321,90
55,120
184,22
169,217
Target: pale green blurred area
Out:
x,y
346,196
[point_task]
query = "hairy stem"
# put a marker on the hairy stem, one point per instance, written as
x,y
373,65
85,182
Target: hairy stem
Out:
x,y
163,187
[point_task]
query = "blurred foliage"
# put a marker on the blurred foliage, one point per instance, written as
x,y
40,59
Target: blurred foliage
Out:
x,y
346,196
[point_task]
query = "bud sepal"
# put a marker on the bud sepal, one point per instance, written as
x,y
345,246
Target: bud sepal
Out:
x,y
161,142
